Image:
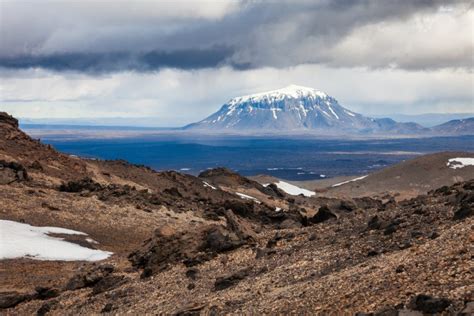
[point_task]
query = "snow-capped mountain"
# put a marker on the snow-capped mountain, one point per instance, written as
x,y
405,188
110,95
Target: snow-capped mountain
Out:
x,y
293,109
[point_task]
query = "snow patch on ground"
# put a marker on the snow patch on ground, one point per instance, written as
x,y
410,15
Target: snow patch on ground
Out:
x,y
292,189
348,181
208,185
247,197
25,241
91,241
455,163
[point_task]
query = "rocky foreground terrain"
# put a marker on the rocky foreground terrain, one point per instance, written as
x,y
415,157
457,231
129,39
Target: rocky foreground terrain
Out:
x,y
224,244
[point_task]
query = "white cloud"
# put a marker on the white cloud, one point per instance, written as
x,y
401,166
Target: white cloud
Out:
x,y
444,38
177,97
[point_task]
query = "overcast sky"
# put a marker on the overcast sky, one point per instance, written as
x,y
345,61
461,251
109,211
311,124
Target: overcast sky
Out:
x,y
179,61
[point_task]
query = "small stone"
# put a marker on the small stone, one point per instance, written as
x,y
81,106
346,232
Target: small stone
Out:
x,y
107,308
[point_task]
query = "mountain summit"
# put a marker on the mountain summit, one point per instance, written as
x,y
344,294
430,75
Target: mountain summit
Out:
x,y
294,109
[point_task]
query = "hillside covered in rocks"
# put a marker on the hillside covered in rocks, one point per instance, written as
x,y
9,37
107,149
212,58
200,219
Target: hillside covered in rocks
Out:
x,y
220,243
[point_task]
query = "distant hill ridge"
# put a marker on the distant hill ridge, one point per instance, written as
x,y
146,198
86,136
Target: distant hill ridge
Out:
x,y
457,127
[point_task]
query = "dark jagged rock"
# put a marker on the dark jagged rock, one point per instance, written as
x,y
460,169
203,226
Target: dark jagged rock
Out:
x,y
7,119
228,178
274,240
107,308
283,219
86,184
372,253
173,192
322,215
391,203
191,247
463,212
89,278
11,299
241,208
218,240
368,203
262,252
239,226
225,282
192,273
374,223
108,283
273,190
428,304
44,293
11,171
215,172
36,165
347,206
391,228
46,307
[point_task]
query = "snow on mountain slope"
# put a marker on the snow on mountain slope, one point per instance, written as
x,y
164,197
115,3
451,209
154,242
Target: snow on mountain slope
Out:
x,y
22,240
455,163
292,189
293,108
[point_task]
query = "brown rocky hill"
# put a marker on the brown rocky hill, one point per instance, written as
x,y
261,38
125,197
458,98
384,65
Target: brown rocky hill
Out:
x,y
410,178
222,244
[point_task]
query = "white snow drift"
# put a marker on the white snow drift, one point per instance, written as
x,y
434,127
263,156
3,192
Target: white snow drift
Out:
x,y
248,197
292,189
455,163
208,185
348,181
25,241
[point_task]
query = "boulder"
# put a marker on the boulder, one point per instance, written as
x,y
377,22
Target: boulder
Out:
x,y
108,283
12,172
428,304
230,280
89,278
347,206
463,212
44,293
86,184
11,299
322,215
273,190
169,245
47,307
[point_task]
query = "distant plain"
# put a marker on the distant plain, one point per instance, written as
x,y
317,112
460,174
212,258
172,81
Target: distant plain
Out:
x,y
291,158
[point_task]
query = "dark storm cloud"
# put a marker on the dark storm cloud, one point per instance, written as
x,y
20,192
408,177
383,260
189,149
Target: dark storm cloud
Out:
x,y
100,62
253,35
